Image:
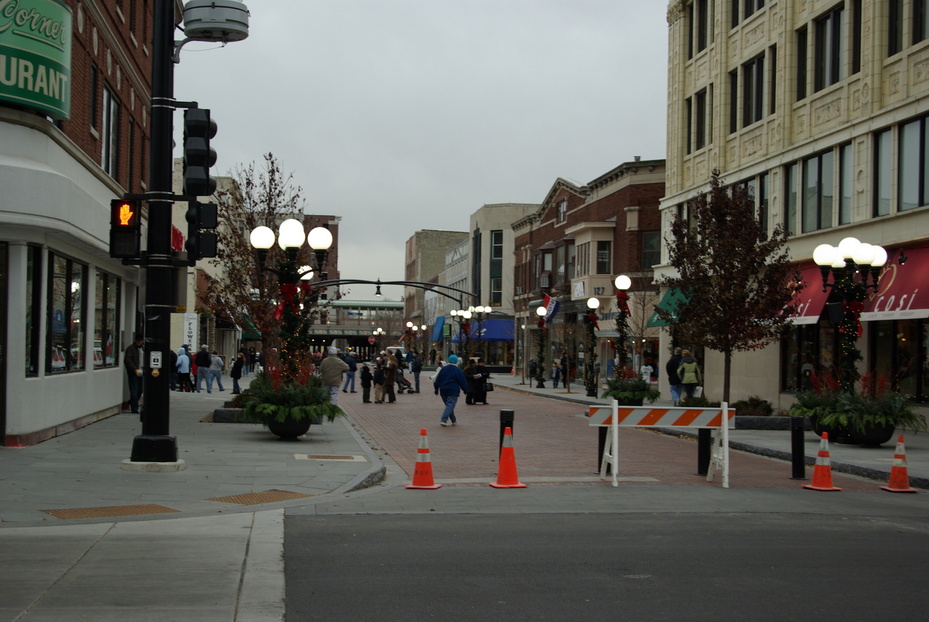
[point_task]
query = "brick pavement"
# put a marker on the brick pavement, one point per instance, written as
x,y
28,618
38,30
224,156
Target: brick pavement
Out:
x,y
553,445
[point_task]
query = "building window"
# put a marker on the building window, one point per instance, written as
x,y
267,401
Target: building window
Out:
x,y
496,244
818,192
913,165
701,120
33,305
583,259
772,79
845,184
66,315
651,249
791,197
106,320
562,213
109,134
856,36
604,257
920,20
699,21
570,260
753,100
882,176
496,291
830,49
802,52
894,27
94,109
733,101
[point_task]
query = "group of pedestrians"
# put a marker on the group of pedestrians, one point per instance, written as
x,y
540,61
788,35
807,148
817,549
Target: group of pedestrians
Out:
x,y
684,375
192,371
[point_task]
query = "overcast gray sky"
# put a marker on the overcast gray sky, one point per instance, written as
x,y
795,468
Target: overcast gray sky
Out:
x,y
400,115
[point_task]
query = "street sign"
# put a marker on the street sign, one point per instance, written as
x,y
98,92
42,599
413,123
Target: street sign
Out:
x,y
371,339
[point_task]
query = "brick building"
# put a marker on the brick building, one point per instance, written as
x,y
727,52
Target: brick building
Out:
x,y
74,133
573,247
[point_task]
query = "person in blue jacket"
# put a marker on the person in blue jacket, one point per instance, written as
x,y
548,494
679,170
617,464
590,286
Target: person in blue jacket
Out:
x,y
449,383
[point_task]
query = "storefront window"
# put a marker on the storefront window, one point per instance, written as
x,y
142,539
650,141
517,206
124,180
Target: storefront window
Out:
x,y
66,315
106,320
899,353
33,282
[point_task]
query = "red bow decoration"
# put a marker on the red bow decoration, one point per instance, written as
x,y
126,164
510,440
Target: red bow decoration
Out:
x,y
306,288
855,307
542,324
592,318
288,291
621,304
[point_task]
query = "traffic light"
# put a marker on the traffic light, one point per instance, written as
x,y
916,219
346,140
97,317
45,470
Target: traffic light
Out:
x,y
125,229
199,128
201,243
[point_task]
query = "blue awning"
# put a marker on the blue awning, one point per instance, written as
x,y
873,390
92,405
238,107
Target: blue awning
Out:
x,y
490,330
437,329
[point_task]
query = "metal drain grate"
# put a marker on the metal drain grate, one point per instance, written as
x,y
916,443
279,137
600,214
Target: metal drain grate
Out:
x,y
257,498
329,457
105,512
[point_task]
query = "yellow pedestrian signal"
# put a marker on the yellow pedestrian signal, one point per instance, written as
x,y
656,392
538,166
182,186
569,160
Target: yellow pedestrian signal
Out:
x,y
125,214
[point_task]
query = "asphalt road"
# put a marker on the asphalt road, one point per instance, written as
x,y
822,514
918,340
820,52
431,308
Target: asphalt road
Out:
x,y
605,566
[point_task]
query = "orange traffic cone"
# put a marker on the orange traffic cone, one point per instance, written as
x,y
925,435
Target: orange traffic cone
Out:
x,y
899,480
513,370
422,473
507,476
822,472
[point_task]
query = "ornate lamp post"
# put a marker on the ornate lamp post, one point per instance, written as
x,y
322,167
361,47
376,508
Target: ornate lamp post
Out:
x,y
480,314
590,371
540,368
463,317
622,284
850,258
292,280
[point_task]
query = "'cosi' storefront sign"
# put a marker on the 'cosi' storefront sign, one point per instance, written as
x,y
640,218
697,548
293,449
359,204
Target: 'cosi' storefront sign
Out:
x,y
35,55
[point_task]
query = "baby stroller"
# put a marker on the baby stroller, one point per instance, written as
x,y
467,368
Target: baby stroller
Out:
x,y
403,385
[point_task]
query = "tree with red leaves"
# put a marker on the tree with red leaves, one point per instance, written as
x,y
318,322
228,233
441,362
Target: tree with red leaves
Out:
x,y
738,280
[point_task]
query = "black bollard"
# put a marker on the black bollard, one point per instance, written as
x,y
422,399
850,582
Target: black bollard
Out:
x,y
704,449
506,421
797,457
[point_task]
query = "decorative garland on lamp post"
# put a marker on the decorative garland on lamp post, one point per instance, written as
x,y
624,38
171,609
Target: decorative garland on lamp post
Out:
x,y
540,368
590,370
622,283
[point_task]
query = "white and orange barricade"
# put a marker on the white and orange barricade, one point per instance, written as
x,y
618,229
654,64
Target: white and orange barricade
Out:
x,y
616,416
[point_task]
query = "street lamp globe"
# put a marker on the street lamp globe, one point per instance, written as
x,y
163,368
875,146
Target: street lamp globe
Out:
x,y
825,255
409,324
880,256
593,303
622,282
319,238
261,237
306,273
541,311
290,234
848,246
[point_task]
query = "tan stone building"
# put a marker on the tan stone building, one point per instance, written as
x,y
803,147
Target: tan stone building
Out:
x,y
820,107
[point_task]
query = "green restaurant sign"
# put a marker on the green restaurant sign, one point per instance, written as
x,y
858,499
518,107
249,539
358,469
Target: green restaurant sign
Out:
x,y
35,55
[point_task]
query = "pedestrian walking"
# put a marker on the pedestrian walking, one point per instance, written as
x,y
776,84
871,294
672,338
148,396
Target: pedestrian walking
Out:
x,y
172,370
449,383
350,374
331,369
236,372
416,368
203,361
556,374
132,360
183,371
674,381
689,373
366,379
217,365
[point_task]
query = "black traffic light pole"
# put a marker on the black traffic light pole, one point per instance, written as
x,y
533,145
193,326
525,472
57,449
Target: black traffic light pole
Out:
x,y
155,444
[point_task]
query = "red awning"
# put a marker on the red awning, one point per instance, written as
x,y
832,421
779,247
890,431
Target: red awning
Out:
x,y
811,299
903,293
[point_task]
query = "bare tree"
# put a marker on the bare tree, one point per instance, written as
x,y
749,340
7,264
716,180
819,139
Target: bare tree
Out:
x,y
241,290
738,280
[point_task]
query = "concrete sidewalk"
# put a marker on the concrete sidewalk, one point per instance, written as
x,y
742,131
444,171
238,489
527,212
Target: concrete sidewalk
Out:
x,y
871,462
84,539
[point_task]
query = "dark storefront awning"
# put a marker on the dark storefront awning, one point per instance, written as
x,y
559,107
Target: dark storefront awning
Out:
x,y
904,291
811,299
671,300
490,330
